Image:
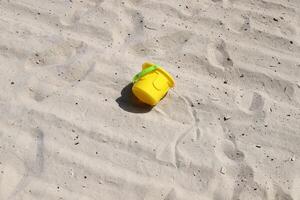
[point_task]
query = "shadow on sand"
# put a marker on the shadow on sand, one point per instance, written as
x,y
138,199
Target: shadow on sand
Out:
x,y
128,102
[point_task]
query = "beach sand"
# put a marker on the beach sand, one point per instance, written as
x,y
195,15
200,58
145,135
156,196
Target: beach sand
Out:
x,y
71,129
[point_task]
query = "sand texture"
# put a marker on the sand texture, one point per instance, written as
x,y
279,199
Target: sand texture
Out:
x,y
71,130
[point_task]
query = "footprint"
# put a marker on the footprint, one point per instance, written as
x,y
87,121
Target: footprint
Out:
x,y
13,171
257,103
71,18
37,94
233,154
237,22
167,154
246,26
218,56
246,173
65,77
250,102
17,173
281,195
196,177
58,54
171,195
288,30
246,187
221,64
174,100
72,65
74,14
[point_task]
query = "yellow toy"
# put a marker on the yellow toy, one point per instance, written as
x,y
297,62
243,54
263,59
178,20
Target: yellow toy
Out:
x,y
151,84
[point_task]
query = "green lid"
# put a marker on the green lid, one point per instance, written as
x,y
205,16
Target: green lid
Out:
x,y
143,73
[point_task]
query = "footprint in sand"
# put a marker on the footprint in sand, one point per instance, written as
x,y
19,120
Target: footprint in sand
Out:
x,y
75,13
68,63
238,23
16,173
281,195
250,102
12,173
218,56
61,53
233,153
246,187
71,18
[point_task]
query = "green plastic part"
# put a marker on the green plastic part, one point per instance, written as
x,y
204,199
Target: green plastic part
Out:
x,y
143,73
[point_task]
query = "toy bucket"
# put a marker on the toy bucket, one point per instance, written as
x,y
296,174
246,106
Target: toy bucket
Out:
x,y
151,84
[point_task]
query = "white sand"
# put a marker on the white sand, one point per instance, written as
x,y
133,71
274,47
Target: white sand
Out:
x,y
230,129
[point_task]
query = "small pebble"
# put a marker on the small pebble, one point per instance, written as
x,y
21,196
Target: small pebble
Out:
x,y
293,158
222,170
226,118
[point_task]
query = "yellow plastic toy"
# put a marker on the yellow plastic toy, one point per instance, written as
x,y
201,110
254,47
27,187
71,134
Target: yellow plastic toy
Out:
x,y
152,83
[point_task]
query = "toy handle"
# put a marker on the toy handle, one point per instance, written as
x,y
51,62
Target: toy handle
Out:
x,y
143,73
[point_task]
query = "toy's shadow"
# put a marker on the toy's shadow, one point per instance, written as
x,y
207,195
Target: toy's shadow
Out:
x,y
128,102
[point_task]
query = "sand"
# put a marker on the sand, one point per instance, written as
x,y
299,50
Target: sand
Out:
x,y
71,129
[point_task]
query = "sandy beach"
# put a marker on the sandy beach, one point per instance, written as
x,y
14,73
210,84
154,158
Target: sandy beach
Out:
x,y
70,128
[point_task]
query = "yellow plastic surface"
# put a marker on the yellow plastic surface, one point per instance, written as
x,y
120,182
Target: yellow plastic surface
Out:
x,y
152,87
